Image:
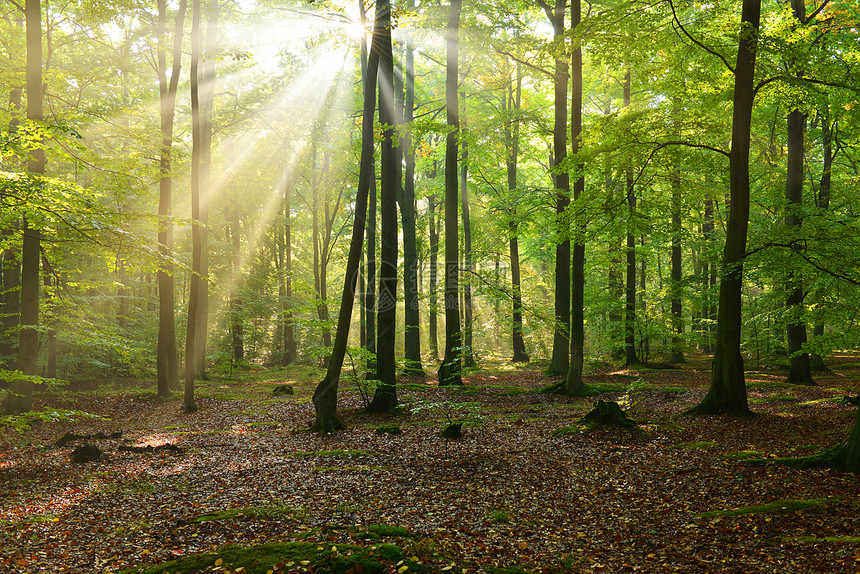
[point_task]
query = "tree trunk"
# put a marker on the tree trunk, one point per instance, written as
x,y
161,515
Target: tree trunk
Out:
x,y
193,326
512,135
560,362
167,363
676,289
206,101
574,384
799,369
19,399
412,319
433,232
450,369
468,355
823,201
630,357
289,336
50,319
727,393
385,397
325,395
236,327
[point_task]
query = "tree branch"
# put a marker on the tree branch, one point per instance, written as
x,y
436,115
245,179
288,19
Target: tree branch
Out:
x,y
697,42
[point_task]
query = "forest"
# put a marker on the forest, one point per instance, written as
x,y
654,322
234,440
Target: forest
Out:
x,y
502,286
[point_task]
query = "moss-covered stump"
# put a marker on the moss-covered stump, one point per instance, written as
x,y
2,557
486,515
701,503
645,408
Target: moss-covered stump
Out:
x,y
283,390
607,413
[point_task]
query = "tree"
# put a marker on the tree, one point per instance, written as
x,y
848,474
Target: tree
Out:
x,y
325,394
385,397
561,346
468,267
450,370
19,399
167,363
194,325
727,393
412,332
800,369
574,384
513,100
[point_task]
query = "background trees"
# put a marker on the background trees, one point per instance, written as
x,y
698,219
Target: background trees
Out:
x,y
286,151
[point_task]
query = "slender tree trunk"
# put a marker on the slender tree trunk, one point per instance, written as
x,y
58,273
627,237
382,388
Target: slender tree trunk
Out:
x,y
630,357
325,395
385,397
206,101
289,335
468,355
800,368
370,294
574,384
412,318
677,352
451,367
50,319
823,201
727,393
11,272
167,363
512,135
434,281
560,361
193,326
236,327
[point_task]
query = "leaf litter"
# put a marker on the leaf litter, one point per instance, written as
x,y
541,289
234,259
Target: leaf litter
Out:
x,y
668,497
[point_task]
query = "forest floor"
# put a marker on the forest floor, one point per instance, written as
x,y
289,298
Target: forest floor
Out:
x,y
527,489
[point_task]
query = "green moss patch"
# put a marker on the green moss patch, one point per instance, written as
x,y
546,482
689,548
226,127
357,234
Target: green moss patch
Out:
x,y
253,512
289,556
776,507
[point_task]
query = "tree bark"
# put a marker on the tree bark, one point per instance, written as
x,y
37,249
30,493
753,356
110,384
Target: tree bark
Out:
x,y
432,318
512,135
574,384
799,367
560,360
823,203
412,319
19,398
385,397
727,393
630,357
676,289
451,367
236,327
325,395
468,355
193,326
167,362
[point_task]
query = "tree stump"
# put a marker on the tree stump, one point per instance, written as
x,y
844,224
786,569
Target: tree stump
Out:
x,y
607,413
282,390
453,430
86,453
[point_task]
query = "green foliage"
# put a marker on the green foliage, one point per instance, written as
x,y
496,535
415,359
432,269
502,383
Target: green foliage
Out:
x,y
28,420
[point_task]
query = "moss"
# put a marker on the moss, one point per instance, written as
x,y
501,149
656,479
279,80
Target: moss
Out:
x,y
744,454
262,558
578,429
253,512
379,531
777,506
499,517
699,445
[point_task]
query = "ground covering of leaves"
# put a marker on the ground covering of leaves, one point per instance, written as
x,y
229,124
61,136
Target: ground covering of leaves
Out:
x,y
525,490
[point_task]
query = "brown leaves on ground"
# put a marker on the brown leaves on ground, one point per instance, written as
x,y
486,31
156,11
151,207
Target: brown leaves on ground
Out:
x,y
513,491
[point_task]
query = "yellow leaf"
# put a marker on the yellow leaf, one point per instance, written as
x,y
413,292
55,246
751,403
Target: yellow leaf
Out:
x,y
219,562
402,569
